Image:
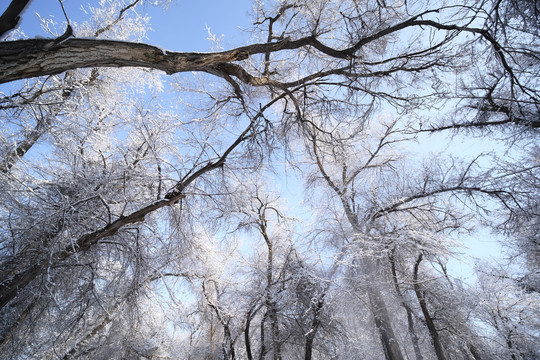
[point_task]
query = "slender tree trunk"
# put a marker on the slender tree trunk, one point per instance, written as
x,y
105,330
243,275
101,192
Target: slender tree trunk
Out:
x,y
381,317
275,330
227,345
262,351
412,332
310,337
429,320
410,322
270,301
308,348
247,338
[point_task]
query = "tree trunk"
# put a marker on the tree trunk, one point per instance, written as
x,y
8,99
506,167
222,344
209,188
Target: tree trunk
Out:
x,y
410,322
429,320
383,323
270,301
390,345
310,337
247,338
262,351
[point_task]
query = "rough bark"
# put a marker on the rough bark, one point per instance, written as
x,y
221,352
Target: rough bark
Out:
x,y
38,57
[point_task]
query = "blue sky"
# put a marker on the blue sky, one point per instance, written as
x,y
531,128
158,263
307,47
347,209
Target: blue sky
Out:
x,y
181,27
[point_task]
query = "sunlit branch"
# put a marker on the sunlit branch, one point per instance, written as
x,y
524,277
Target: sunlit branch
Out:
x,y
11,287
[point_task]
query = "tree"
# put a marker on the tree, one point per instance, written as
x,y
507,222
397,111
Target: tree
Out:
x,y
509,312
110,184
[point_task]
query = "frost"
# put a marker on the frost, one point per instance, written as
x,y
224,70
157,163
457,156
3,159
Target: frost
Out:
x,y
307,215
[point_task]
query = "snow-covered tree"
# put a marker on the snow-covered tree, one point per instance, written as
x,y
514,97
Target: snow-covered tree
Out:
x,y
134,221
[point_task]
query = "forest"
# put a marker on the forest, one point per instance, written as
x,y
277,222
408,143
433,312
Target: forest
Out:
x,y
349,179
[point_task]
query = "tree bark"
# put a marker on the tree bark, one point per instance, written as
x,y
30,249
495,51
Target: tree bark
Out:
x,y
30,58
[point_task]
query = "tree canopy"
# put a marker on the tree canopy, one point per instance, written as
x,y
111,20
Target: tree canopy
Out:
x,y
144,211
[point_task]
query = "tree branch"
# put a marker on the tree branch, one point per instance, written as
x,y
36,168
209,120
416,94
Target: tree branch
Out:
x,y
10,18
9,288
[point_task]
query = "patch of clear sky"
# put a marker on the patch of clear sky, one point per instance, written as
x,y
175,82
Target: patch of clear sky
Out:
x,y
181,26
